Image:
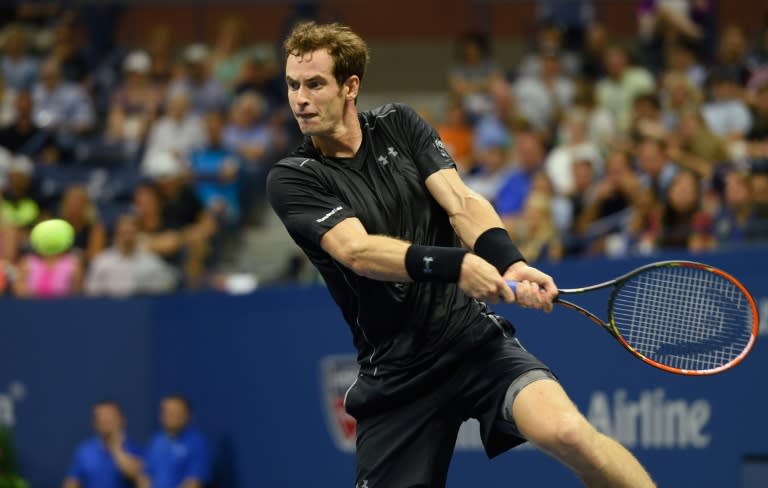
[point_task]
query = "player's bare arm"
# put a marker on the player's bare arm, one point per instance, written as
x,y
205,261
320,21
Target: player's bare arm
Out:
x,y
384,258
471,216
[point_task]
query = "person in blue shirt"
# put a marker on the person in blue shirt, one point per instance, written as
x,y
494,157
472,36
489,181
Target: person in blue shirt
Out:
x,y
178,455
216,169
108,459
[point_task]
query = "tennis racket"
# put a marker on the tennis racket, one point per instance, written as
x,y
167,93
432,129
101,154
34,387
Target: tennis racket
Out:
x,y
680,316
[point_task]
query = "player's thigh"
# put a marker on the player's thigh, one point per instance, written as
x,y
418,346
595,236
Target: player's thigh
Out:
x,y
408,447
546,416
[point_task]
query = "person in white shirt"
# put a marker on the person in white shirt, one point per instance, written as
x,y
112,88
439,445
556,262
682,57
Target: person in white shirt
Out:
x,y
178,131
617,91
576,146
726,114
541,98
125,269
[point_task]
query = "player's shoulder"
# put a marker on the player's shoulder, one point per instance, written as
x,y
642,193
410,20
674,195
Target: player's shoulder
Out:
x,y
390,113
305,154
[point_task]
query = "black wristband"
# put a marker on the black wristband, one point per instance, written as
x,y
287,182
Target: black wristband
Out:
x,y
495,246
432,263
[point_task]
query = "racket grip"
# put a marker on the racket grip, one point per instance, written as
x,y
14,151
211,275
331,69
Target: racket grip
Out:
x,y
513,284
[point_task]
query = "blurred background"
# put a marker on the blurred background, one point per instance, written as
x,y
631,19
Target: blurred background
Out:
x,y
607,133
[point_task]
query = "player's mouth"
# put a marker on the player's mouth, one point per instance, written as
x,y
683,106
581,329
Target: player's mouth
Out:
x,y
306,116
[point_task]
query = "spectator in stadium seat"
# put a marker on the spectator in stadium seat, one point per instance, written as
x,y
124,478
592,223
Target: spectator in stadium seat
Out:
x,y
678,94
55,276
126,269
740,220
575,146
680,218
205,92
543,97
681,60
613,198
535,231
215,171
247,133
90,233
61,106
19,69
25,137
491,164
173,221
456,134
108,459
160,48
595,42
529,158
137,99
726,113
622,83
549,40
601,127
758,133
732,53
22,202
693,146
656,170
229,52
179,131
473,73
178,456
67,48
7,103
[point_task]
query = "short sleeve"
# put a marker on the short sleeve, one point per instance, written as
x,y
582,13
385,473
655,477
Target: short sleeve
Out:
x,y
429,152
199,464
308,209
76,469
150,459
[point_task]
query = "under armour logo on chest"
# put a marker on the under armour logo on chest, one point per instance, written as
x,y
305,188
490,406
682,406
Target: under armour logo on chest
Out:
x,y
383,160
428,264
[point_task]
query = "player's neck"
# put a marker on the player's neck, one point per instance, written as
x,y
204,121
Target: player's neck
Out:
x,y
345,139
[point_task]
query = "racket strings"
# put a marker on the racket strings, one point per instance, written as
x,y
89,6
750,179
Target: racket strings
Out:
x,y
683,317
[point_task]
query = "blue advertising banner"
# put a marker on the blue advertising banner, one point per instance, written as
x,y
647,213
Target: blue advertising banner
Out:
x,y
266,374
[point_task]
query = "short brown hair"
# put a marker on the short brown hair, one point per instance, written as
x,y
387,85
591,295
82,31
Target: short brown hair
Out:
x,y
348,50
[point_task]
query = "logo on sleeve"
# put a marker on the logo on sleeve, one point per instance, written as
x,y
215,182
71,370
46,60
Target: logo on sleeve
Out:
x,y
441,149
329,214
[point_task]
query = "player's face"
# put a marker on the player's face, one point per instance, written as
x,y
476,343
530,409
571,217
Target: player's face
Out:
x,y
316,99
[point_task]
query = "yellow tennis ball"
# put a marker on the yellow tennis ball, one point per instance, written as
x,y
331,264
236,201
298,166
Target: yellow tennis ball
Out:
x,y
52,237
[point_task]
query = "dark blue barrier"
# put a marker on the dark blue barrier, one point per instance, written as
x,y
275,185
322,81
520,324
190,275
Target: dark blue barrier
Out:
x,y
252,369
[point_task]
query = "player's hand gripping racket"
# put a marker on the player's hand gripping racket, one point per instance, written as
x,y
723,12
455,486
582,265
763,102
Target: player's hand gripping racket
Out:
x,y
679,316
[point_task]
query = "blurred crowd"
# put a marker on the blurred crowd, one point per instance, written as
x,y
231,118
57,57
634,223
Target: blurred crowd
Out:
x,y
600,146
157,153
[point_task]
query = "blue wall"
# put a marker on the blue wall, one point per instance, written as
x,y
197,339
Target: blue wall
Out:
x,y
251,366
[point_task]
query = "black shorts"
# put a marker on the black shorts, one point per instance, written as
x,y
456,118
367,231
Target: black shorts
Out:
x,y
407,423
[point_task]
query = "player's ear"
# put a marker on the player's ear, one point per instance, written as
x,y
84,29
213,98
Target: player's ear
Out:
x,y
352,86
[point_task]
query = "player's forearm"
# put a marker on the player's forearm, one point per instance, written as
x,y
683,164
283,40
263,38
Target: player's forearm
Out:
x,y
473,217
378,257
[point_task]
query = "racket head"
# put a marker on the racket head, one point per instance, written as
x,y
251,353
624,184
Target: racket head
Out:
x,y
684,317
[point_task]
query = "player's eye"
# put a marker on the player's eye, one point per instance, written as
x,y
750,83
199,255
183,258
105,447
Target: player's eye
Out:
x,y
293,85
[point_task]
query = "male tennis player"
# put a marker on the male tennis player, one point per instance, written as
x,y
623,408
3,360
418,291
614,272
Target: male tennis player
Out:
x,y
375,202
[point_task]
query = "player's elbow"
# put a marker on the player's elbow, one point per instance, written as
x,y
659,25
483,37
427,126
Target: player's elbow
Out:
x,y
354,255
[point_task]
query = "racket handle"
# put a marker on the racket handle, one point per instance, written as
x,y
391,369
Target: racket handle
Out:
x,y
513,284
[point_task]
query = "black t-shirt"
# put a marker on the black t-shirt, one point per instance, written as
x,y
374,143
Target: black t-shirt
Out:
x,y
395,326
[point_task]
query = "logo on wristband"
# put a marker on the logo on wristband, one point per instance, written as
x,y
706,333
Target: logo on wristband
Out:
x,y
428,263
